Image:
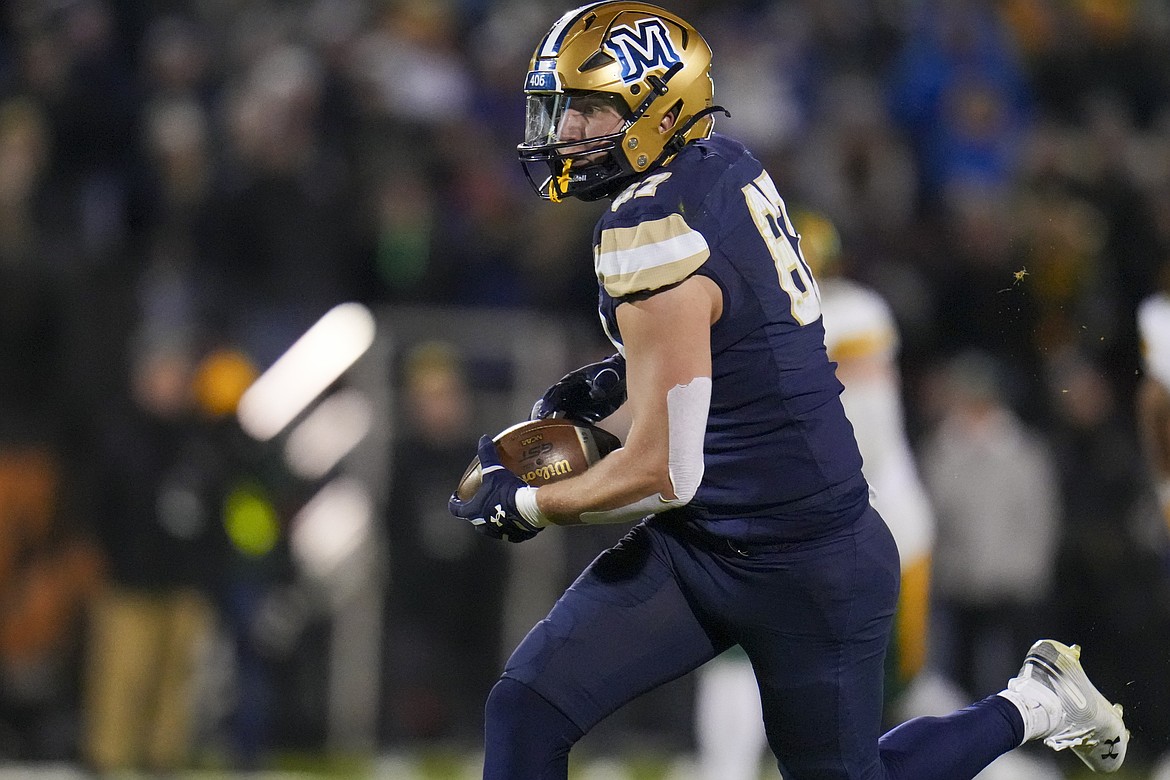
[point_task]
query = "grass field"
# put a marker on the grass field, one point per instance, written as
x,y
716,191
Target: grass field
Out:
x,y
450,766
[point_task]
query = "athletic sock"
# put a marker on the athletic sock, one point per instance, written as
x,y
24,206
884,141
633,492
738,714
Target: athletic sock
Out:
x,y
1039,706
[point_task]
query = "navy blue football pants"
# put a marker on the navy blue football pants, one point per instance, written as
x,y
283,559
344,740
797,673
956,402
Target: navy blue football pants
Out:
x,y
814,618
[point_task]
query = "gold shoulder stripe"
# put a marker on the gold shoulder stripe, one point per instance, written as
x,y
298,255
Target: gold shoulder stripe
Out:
x,y
650,255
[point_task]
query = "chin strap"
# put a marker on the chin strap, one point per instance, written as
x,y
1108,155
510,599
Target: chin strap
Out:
x,y
559,184
679,139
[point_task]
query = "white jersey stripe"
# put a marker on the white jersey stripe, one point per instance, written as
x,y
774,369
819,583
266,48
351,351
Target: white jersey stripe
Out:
x,y
619,262
651,255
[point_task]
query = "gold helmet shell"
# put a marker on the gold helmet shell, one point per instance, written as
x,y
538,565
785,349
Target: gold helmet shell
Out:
x,y
648,62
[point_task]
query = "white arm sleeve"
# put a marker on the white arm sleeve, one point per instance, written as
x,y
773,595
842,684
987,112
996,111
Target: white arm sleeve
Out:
x,y
686,409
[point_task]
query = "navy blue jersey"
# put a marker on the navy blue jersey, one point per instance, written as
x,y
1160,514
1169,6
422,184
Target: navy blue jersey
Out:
x,y
780,458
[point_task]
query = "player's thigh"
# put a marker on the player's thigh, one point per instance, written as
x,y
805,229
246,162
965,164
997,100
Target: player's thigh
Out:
x,y
623,628
820,662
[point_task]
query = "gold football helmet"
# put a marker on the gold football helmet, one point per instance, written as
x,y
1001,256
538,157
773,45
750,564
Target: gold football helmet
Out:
x,y
639,59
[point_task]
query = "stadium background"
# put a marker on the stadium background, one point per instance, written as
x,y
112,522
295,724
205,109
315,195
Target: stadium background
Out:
x,y
187,188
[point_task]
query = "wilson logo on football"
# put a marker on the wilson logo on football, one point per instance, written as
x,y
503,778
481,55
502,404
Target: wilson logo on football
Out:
x,y
639,48
548,471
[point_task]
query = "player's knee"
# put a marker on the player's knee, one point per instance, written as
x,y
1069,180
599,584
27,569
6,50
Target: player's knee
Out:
x,y
515,710
511,702
504,702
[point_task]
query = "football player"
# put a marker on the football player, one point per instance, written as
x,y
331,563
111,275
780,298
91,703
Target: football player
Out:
x,y
1153,322
755,522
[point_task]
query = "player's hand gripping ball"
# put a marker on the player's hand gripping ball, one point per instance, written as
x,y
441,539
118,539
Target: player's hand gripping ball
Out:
x,y
588,394
530,453
491,506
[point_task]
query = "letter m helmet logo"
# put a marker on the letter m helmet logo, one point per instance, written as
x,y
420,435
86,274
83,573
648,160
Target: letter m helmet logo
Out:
x,y
639,48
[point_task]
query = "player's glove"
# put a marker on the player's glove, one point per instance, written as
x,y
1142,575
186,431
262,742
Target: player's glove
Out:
x,y
589,394
492,510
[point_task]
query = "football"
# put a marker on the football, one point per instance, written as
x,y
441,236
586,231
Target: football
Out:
x,y
543,451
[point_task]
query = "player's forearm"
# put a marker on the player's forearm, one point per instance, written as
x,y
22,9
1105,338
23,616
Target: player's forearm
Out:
x,y
660,468
625,478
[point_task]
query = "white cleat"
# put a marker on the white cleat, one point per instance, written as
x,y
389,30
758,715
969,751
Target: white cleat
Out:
x,y
1090,725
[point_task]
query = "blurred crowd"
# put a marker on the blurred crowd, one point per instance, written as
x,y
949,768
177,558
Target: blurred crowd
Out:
x,y
187,185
